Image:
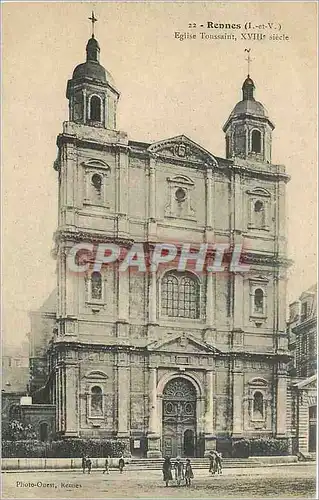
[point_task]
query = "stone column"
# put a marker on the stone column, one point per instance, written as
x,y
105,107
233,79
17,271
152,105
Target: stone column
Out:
x,y
210,308
238,209
238,301
123,395
210,439
122,191
281,398
57,400
123,296
62,397
84,106
71,396
238,395
152,226
209,205
153,423
152,190
152,298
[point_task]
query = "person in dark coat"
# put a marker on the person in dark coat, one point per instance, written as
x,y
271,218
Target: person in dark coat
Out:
x,y
89,464
121,464
83,463
167,470
188,472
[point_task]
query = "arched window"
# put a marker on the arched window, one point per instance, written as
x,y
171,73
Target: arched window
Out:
x,y
96,401
256,141
97,183
259,301
259,213
96,286
44,434
95,109
258,405
180,295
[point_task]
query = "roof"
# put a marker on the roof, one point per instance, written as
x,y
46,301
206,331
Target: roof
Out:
x,y
249,107
93,70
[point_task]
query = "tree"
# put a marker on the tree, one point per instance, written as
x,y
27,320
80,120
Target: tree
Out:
x,y
18,430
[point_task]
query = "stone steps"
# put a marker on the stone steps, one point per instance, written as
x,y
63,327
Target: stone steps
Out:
x,y
201,463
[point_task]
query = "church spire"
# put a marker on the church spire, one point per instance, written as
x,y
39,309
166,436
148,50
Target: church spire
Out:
x,y
92,47
248,89
248,85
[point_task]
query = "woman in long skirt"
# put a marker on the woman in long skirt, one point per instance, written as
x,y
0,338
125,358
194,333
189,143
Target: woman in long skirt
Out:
x,y
167,470
179,471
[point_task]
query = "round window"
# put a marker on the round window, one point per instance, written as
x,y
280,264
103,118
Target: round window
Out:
x,y
97,181
180,194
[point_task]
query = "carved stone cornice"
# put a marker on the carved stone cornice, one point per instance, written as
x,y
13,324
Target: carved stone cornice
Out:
x,y
266,259
82,235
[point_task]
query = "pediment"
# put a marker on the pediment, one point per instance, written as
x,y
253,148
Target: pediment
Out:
x,y
182,148
96,163
181,343
96,375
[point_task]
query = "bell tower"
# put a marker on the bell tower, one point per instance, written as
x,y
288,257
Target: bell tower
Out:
x,y
248,129
91,92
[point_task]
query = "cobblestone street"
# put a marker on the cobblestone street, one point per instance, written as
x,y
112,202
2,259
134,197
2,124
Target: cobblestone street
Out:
x,y
289,481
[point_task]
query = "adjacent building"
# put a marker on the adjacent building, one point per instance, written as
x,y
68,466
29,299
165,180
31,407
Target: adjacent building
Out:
x,y
302,333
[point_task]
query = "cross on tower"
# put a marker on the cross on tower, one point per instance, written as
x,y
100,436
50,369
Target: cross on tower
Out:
x,y
248,59
93,21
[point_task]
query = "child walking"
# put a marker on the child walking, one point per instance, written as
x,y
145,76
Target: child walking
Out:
x,y
188,472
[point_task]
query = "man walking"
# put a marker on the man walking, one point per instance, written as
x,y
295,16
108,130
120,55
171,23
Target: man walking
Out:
x,y
121,464
83,463
89,464
106,466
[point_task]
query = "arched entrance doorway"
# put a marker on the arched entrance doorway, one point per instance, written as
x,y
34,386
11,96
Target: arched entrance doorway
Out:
x,y
179,419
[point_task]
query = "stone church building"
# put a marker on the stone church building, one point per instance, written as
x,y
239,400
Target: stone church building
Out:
x,y
172,362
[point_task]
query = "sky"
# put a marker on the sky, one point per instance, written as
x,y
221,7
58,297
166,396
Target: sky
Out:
x,y
168,87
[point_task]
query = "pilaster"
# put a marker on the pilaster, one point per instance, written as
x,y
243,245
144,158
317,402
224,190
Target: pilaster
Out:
x,y
238,394
153,435
71,393
281,402
123,395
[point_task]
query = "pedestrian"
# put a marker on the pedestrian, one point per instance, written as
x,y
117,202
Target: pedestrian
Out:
x,y
179,471
89,464
219,463
167,470
106,466
83,463
121,464
212,463
188,472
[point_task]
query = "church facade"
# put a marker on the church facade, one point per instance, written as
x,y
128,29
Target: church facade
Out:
x,y
171,361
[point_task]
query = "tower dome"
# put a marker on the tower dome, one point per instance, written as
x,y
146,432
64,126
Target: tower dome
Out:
x,y
248,128
248,105
91,91
92,68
